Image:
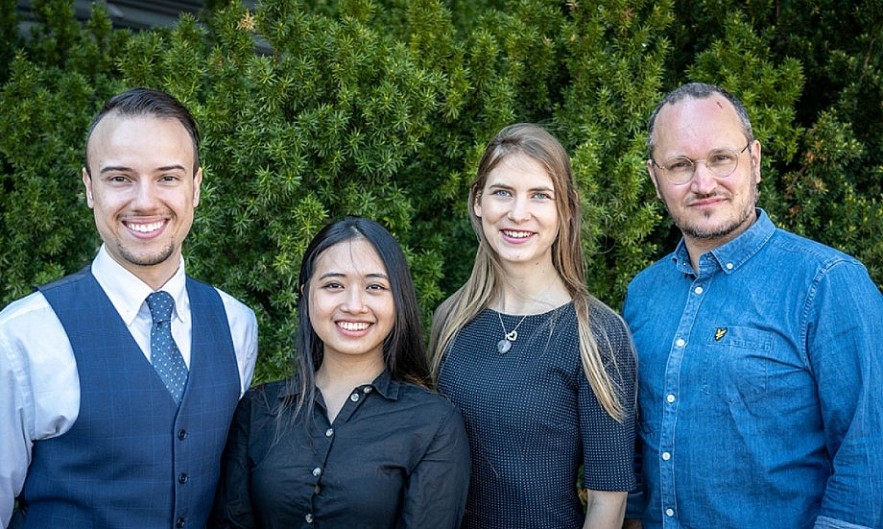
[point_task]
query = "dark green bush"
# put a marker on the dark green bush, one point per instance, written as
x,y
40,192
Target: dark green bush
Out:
x,y
382,108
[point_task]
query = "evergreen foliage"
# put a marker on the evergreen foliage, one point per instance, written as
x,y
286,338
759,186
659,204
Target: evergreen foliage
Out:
x,y
382,108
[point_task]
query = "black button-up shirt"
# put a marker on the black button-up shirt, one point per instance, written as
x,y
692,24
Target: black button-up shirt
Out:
x,y
396,456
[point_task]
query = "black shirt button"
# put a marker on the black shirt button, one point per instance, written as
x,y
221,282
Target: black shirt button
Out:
x,y
179,523
183,478
183,434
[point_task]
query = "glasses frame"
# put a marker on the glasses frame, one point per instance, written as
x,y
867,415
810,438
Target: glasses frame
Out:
x,y
693,163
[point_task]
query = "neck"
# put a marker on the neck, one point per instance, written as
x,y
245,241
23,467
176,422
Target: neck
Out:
x,y
697,246
528,290
348,371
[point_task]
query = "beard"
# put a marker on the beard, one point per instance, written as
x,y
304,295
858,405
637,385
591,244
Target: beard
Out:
x,y
146,259
720,231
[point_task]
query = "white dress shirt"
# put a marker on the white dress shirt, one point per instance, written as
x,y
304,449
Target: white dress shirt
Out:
x,y
39,384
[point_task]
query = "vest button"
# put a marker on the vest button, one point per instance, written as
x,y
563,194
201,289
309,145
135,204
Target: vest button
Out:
x,y
183,434
183,478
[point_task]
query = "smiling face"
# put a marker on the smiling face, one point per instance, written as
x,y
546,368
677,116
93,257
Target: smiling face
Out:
x,y
518,213
709,210
142,190
351,304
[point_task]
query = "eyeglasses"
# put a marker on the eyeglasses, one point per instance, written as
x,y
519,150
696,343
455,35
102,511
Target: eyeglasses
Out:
x,y
720,162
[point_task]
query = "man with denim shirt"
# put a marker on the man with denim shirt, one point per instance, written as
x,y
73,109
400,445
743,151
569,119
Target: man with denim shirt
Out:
x,y
760,351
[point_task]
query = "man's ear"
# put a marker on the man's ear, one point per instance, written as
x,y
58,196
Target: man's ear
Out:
x,y
197,184
652,172
87,182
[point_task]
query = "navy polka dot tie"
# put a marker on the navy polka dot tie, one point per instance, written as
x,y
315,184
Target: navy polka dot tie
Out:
x,y
164,353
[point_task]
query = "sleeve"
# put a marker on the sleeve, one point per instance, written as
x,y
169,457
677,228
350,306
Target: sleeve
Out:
x,y
15,444
435,495
232,507
608,444
844,331
244,331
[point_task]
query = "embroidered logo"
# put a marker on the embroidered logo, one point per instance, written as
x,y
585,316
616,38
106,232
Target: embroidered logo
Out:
x,y
719,334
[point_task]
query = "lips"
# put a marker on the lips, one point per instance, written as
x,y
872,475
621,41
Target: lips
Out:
x,y
353,326
706,201
517,236
145,228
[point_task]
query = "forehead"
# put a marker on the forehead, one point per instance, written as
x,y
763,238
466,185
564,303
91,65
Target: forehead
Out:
x,y
350,257
519,169
698,124
144,136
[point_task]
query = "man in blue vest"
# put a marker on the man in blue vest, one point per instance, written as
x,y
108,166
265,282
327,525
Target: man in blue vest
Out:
x,y
118,383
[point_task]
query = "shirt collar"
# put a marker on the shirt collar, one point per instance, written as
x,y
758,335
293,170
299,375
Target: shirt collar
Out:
x,y
127,293
732,255
384,385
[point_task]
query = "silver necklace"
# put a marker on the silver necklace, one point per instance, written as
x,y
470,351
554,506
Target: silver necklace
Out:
x,y
505,344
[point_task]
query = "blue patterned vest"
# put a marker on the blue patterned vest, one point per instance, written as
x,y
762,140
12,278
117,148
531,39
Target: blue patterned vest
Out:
x,y
132,460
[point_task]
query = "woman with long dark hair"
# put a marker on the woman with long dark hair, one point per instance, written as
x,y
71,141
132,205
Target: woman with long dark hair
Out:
x,y
355,438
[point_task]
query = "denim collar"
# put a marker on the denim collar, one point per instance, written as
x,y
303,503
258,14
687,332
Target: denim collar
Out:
x,y
732,255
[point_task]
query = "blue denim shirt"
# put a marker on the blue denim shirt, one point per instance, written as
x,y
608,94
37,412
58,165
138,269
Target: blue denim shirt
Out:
x,y
760,383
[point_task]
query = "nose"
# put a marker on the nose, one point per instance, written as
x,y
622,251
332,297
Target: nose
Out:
x,y
145,196
355,301
703,180
520,210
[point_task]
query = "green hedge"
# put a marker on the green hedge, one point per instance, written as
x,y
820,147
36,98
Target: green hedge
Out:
x,y
382,108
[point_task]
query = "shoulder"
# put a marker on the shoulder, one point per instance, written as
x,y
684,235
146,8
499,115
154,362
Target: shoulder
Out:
x,y
30,323
814,264
605,320
260,404
240,315
267,393
647,277
33,305
428,401
801,249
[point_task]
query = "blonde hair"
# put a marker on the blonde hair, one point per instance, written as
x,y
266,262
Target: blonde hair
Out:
x,y
483,285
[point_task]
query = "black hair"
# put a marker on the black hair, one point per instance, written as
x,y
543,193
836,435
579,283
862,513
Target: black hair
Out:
x,y
404,352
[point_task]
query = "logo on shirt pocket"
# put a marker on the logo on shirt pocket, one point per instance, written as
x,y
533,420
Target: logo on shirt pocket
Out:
x,y
737,363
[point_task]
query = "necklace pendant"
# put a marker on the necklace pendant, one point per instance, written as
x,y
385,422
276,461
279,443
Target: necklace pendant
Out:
x,y
504,345
512,336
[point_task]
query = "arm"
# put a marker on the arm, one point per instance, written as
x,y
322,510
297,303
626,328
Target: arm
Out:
x,y
604,510
15,444
609,445
232,508
844,327
435,495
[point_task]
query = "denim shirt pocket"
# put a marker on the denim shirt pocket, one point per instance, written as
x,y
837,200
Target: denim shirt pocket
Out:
x,y
738,363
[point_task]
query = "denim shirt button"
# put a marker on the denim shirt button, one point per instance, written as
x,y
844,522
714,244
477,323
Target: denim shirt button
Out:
x,y
669,512
698,290
666,456
670,398
729,266
680,342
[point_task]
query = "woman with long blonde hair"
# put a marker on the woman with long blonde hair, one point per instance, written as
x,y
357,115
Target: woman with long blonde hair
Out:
x,y
543,372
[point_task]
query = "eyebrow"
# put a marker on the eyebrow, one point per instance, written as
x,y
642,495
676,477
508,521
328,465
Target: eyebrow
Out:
x,y
340,274
504,186
123,168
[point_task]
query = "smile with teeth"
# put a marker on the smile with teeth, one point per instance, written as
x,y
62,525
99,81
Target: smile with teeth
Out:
x,y
353,326
145,228
517,234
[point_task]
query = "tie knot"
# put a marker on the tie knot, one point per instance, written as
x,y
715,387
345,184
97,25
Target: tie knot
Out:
x,y
161,305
